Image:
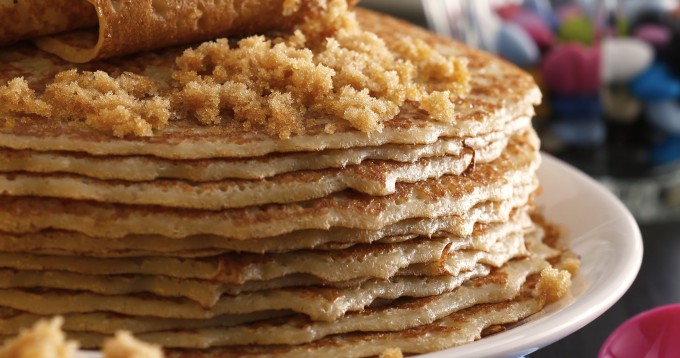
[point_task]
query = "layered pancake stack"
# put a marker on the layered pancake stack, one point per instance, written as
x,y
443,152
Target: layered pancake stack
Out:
x,y
210,241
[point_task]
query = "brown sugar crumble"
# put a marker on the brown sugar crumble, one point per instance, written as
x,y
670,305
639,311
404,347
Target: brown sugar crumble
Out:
x,y
327,68
17,97
392,353
45,339
124,345
553,284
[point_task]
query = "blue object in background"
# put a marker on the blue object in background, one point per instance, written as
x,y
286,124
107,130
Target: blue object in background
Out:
x,y
665,152
664,115
580,132
577,106
656,83
515,45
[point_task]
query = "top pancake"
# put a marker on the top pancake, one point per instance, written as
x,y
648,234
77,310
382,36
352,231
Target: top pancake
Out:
x,y
485,109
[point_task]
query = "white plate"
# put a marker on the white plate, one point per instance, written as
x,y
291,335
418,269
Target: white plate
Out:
x,y
603,232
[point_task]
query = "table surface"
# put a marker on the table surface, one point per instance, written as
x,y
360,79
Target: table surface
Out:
x,y
657,283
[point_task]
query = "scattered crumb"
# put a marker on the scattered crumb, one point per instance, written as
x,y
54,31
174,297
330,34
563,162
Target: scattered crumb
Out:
x,y
124,345
17,97
570,262
330,128
439,105
44,340
553,284
328,67
392,353
290,7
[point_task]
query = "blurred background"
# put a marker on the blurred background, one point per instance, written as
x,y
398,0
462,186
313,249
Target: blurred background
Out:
x,y
610,75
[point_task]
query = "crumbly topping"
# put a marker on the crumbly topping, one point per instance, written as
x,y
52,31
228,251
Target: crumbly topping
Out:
x,y
553,284
125,105
124,345
439,105
44,340
17,97
290,7
571,263
328,68
392,353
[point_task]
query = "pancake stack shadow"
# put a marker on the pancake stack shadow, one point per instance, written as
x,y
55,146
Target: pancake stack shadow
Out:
x,y
351,250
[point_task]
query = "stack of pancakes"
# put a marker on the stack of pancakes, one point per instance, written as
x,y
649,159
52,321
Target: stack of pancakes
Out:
x,y
418,237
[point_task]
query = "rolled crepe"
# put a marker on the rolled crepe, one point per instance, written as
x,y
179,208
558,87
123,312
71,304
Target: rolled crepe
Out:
x,y
25,19
127,26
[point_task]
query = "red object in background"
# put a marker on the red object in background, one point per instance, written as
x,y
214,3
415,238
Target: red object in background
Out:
x,y
508,11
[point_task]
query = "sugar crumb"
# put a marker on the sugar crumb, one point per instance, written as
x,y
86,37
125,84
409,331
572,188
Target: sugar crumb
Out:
x,y
330,128
124,345
44,340
439,105
290,7
17,98
392,353
126,105
553,284
570,262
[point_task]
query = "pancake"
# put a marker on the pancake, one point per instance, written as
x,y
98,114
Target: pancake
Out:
x,y
457,329
320,304
372,260
27,19
145,168
461,327
499,286
459,261
511,174
107,323
376,178
103,28
207,293
484,216
372,178
28,214
310,190
478,113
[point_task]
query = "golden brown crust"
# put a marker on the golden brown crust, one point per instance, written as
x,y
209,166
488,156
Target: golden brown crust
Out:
x,y
25,19
132,26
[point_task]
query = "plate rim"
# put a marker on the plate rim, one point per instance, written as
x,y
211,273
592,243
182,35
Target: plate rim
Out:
x,y
507,344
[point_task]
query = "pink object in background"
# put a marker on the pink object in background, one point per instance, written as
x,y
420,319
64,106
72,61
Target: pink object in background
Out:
x,y
650,334
535,26
572,69
568,11
656,35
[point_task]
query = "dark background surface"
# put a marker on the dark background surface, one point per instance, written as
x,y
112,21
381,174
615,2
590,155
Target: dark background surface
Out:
x,y
658,282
